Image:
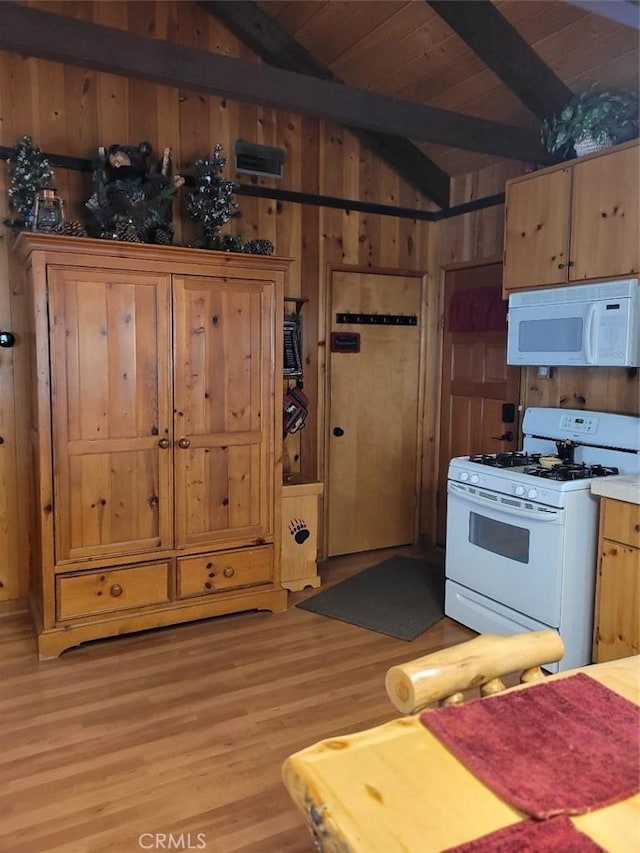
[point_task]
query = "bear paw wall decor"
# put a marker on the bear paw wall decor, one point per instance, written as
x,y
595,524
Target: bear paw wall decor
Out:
x,y
132,200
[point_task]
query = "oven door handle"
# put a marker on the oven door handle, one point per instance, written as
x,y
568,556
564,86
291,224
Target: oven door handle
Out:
x,y
548,515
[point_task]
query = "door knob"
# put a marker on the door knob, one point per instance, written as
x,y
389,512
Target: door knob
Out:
x,y
338,431
164,443
506,436
184,443
7,339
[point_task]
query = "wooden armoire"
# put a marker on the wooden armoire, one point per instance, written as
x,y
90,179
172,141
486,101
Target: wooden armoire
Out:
x,y
156,433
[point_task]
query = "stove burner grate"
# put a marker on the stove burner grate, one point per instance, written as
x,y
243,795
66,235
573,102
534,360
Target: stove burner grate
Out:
x,y
570,471
506,459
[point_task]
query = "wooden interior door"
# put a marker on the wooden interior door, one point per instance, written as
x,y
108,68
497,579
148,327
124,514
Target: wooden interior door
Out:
x,y
476,383
111,411
224,391
374,403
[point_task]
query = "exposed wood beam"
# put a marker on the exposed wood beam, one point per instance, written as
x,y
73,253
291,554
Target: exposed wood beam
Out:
x,y
270,41
501,47
34,32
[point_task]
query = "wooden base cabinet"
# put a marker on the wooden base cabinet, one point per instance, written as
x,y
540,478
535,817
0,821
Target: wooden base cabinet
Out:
x,y
617,614
300,532
156,424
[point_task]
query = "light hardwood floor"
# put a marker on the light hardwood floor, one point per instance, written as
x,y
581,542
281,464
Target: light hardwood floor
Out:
x,y
184,729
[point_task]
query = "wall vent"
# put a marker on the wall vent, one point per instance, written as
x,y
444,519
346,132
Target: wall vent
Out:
x,y
254,159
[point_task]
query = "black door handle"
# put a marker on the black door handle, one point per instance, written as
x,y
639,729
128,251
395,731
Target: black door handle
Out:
x,y
7,339
338,431
506,436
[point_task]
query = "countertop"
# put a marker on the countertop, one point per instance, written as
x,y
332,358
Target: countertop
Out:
x,y
622,487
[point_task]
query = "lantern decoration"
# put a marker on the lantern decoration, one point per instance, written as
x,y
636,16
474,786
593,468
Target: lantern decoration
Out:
x,y
47,210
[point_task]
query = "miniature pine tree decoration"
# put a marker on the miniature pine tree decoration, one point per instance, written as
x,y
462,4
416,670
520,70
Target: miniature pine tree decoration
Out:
x,y
30,171
211,203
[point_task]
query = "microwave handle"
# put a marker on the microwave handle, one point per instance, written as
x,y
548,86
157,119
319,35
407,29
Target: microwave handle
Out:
x,y
589,351
589,342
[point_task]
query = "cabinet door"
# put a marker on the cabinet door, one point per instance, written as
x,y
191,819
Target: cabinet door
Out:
x,y
224,397
617,633
111,413
537,230
606,216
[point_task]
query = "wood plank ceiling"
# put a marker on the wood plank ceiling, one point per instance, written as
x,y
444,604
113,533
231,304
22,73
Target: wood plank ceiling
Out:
x,y
405,49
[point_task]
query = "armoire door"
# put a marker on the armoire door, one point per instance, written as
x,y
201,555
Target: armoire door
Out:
x,y
224,337
111,411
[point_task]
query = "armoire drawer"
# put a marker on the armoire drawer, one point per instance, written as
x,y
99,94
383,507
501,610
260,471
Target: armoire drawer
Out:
x,y
89,593
224,570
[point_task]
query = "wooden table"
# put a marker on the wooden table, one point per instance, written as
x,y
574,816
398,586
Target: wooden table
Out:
x,y
397,788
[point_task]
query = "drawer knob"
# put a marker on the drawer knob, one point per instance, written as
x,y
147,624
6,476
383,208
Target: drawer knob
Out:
x,y
184,443
164,443
637,528
116,590
228,571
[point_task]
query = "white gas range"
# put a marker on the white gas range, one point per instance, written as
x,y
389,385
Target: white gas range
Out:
x,y
522,538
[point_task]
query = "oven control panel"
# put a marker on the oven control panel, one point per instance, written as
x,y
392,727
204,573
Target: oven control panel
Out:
x,y
503,486
583,425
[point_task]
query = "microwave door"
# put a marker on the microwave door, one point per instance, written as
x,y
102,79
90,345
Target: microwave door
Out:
x,y
554,334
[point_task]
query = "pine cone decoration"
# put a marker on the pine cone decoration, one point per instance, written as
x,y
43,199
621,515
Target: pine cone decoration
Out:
x,y
126,230
259,247
163,235
229,243
72,228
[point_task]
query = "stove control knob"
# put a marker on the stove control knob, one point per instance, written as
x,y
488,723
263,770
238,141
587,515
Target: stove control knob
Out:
x,y
519,490
475,478
464,476
532,493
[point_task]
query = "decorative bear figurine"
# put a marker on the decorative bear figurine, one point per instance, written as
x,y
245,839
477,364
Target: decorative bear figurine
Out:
x,y
132,200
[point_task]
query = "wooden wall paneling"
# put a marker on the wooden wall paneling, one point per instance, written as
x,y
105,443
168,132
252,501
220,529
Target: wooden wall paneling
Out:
x,y
331,176
289,216
371,225
18,109
13,513
599,389
433,370
313,319
112,107
112,95
350,189
168,130
389,254
143,117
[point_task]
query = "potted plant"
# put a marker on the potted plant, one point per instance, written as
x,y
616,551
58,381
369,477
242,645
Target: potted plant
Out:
x,y
591,121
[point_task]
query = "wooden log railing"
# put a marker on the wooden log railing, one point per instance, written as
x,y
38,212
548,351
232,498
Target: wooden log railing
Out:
x,y
443,676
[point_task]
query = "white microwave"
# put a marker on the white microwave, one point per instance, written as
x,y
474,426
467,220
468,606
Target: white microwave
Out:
x,y
584,324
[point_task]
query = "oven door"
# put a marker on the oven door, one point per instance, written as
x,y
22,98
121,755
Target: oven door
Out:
x,y
505,548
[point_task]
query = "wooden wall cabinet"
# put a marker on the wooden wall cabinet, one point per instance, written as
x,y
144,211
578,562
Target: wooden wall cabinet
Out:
x,y
575,222
617,611
156,427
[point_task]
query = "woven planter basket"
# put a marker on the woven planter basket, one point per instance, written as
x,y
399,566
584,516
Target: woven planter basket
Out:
x,y
590,146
